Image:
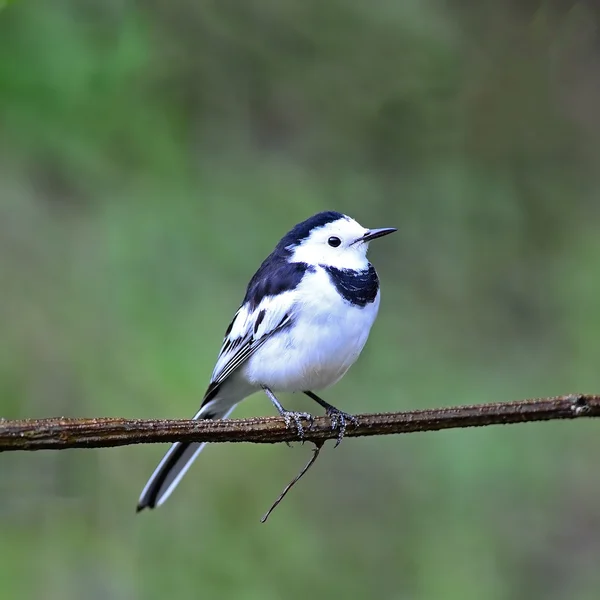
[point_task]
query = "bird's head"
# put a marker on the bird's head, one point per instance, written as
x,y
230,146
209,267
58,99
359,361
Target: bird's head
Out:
x,y
332,239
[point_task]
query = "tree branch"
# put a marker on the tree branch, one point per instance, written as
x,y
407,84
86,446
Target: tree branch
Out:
x,y
293,482
63,433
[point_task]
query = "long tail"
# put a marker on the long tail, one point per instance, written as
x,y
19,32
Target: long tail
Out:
x,y
176,462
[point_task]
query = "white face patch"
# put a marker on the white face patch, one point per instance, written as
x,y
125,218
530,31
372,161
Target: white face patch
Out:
x,y
321,246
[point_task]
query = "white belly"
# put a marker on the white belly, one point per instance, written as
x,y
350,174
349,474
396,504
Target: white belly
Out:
x,y
326,338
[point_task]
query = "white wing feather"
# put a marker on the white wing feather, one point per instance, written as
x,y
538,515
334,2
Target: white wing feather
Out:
x,y
249,330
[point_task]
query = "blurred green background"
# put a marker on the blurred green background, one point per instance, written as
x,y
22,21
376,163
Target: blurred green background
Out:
x,y
152,153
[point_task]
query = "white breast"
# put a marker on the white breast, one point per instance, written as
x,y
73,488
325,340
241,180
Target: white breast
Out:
x,y
326,338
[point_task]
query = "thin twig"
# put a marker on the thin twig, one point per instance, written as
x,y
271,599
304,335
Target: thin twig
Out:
x,y
63,433
291,484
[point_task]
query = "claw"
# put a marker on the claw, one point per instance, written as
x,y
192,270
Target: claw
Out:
x,y
293,420
339,422
339,419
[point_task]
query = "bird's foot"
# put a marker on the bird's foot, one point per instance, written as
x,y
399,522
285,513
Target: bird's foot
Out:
x,y
339,422
293,420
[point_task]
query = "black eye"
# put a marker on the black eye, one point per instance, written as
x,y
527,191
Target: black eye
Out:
x,y
334,241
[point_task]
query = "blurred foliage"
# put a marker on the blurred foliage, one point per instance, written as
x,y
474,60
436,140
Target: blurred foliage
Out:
x,y
151,155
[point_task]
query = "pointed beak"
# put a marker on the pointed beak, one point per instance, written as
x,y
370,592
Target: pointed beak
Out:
x,y
373,234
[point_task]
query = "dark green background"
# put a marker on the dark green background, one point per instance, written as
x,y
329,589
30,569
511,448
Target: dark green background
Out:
x,y
152,153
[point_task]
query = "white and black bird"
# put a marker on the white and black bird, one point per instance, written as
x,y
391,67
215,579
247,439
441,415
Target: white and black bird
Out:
x,y
304,321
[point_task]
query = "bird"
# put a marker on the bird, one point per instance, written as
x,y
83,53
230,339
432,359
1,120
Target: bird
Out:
x,y
304,320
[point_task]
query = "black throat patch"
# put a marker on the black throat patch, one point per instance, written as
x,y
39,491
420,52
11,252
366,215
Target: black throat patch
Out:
x,y
357,287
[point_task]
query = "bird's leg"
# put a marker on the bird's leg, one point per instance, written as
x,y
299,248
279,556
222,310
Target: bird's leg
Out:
x,y
292,418
339,419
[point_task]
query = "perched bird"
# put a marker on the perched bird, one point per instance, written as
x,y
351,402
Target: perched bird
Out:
x,y
304,321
